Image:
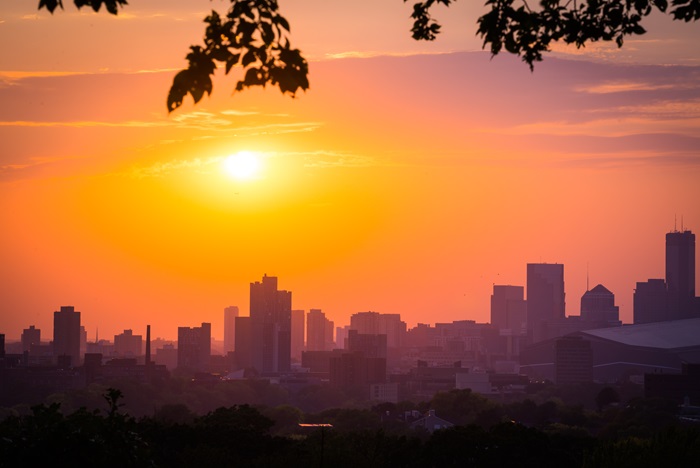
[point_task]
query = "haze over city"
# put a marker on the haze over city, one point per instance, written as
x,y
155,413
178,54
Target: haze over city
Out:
x,y
408,180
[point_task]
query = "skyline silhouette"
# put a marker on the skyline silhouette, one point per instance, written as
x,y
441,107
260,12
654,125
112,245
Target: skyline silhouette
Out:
x,y
546,299
409,179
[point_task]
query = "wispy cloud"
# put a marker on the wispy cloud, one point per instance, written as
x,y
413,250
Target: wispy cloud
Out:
x,y
373,54
162,169
311,159
80,124
239,113
623,87
612,127
197,120
322,159
618,160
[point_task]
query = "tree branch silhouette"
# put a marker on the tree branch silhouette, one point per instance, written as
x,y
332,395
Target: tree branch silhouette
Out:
x,y
253,35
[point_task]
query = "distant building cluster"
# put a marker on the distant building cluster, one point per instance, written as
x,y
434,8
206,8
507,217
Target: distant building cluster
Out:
x,y
378,357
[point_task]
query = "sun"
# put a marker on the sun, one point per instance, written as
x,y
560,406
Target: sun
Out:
x,y
243,165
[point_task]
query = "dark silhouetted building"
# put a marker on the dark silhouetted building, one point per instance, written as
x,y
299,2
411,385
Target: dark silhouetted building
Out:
x,y
271,326
127,344
368,344
67,335
573,360
318,361
621,352
243,343
194,347
545,298
30,337
298,327
230,314
598,308
508,308
316,330
353,371
650,301
683,388
374,323
680,274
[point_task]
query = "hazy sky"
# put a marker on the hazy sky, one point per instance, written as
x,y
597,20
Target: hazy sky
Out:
x,y
409,179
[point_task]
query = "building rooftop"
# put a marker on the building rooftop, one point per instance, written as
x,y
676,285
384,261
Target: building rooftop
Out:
x,y
600,289
662,335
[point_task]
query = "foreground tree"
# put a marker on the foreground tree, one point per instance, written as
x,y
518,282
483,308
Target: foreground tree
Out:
x,y
254,35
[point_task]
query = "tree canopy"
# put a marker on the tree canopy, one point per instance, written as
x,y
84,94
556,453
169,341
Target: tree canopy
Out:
x,y
255,36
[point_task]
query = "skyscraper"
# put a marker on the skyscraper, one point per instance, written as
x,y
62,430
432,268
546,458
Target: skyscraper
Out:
x,y
128,344
545,298
374,323
316,330
244,344
194,347
680,274
298,326
66,334
598,306
230,314
508,308
650,301
30,337
271,326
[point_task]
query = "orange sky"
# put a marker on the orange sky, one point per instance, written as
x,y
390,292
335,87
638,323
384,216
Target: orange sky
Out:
x,y
409,179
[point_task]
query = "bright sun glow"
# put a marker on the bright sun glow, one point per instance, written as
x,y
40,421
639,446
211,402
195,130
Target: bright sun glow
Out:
x,y
243,165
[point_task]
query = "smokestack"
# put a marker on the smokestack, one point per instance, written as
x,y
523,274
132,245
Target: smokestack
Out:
x,y
148,345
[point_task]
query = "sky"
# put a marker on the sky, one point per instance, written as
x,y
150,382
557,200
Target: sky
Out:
x,y
410,178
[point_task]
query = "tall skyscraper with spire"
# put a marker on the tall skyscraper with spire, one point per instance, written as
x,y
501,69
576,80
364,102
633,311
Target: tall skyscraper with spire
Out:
x,y
271,326
680,274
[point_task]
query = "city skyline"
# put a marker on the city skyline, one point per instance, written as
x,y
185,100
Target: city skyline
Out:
x,y
409,179
546,292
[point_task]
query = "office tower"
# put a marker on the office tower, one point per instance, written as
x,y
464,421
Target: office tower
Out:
x,y
650,301
680,274
128,344
341,336
243,343
230,314
67,335
545,298
369,344
194,347
316,324
330,343
374,323
2,345
83,340
598,305
508,308
271,326
298,326
30,336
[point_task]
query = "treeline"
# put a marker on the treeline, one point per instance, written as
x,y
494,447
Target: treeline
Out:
x,y
641,433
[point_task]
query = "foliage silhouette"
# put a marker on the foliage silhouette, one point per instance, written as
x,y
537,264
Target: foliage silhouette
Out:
x,y
242,435
254,35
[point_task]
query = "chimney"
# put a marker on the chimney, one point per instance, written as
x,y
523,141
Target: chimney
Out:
x,y
148,345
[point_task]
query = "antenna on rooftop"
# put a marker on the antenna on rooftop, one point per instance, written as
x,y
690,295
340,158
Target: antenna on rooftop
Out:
x,y
587,288
682,229
675,223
